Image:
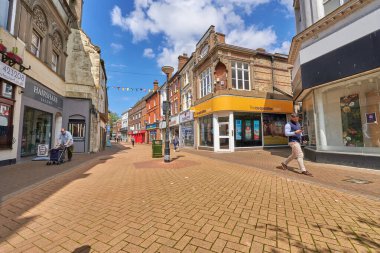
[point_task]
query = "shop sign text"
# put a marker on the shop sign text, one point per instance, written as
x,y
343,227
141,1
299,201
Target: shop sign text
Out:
x,y
10,74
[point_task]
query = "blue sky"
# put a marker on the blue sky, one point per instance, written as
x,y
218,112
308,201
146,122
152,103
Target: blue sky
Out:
x,y
139,36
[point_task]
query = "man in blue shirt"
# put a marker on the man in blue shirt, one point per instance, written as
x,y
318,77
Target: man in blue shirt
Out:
x,y
294,132
66,139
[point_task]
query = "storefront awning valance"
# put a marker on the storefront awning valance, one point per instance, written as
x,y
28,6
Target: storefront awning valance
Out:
x,y
242,104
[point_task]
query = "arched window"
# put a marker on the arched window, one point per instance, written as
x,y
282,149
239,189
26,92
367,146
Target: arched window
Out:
x,y
40,28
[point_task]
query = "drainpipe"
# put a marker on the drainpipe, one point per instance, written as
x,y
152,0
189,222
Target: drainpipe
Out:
x,y
272,61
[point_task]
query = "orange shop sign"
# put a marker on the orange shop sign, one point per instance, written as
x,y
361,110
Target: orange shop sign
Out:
x,y
242,104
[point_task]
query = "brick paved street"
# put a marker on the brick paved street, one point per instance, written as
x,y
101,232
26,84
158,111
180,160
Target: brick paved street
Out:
x,y
130,203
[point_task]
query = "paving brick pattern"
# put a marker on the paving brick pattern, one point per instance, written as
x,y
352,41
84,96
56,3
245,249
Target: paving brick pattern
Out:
x,y
206,206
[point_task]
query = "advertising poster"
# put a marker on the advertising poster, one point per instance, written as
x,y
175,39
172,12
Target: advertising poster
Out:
x,y
351,121
274,129
248,130
238,130
256,130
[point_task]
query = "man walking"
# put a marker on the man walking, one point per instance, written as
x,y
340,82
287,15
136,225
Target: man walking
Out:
x,y
66,139
133,141
294,132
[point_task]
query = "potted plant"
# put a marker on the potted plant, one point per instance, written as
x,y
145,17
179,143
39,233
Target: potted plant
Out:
x,y
3,49
14,57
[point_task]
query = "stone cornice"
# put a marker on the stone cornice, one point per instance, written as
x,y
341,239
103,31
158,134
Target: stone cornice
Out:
x,y
323,24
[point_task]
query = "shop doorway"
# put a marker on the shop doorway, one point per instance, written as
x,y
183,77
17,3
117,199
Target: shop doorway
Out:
x,y
225,135
36,130
77,127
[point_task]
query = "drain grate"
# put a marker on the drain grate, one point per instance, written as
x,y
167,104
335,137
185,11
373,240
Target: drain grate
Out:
x,y
357,181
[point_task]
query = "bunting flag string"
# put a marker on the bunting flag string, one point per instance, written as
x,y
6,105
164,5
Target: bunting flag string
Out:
x,y
128,89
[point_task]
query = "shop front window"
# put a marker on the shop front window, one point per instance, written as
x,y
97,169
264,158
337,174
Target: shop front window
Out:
x,y
274,129
188,134
77,128
36,130
247,130
6,115
308,121
206,131
348,117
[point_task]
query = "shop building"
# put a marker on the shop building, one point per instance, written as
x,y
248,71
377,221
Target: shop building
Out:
x,y
46,103
12,83
153,114
124,126
186,117
41,43
175,97
336,79
242,96
137,121
86,114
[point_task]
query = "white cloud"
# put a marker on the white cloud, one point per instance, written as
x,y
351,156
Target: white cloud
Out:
x,y
149,53
182,23
284,49
116,47
288,4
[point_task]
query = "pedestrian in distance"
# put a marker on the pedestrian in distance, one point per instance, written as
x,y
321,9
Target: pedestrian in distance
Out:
x,y
66,139
175,142
133,141
294,131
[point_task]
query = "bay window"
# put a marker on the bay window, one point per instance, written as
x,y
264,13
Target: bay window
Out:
x,y
206,82
240,76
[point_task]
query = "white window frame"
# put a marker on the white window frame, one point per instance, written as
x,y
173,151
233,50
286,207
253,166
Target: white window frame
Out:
x,y
54,65
206,83
36,49
236,69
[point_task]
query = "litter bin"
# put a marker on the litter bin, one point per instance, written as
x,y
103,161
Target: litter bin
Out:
x,y
157,148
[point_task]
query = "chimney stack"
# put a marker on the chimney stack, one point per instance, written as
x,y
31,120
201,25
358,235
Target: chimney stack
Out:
x,y
155,85
182,59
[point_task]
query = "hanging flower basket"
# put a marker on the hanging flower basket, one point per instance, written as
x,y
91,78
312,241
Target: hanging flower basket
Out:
x,y
3,49
14,57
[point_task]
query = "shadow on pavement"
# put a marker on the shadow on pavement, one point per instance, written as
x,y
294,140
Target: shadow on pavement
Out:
x,y
13,210
83,249
280,151
361,238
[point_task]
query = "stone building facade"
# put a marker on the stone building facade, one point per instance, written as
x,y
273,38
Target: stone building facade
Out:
x,y
241,96
38,32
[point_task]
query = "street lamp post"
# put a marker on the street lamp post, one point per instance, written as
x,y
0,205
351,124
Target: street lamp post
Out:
x,y
168,71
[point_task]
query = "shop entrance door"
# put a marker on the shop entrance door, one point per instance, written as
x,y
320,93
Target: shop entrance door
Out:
x,y
225,134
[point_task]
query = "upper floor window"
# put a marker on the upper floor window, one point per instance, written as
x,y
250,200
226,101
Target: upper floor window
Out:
x,y
6,14
176,107
331,5
204,51
154,102
184,102
240,76
206,82
54,61
188,100
35,46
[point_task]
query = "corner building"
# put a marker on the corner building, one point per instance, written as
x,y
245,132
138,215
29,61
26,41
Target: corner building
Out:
x,y
336,79
241,96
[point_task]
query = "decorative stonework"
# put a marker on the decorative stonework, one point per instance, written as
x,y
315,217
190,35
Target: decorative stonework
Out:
x,y
57,40
39,19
